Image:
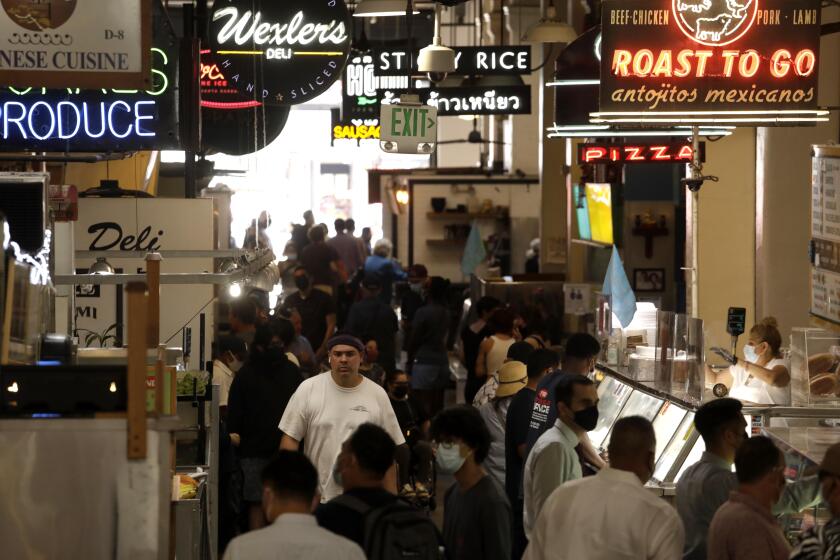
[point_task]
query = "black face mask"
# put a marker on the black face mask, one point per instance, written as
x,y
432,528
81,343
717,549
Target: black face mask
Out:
x,y
400,391
302,282
275,354
587,418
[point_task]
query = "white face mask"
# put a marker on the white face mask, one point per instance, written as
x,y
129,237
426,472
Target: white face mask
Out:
x,y
235,365
750,354
448,458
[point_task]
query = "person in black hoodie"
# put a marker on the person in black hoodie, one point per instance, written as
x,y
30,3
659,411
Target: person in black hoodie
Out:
x,y
258,397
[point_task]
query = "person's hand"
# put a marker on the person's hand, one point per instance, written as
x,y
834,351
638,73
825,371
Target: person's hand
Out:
x,y
235,440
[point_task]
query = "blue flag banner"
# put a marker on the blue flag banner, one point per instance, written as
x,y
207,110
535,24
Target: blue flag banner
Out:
x,y
618,286
474,251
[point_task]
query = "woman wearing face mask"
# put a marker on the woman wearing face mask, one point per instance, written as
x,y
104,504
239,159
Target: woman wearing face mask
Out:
x,y
477,515
258,397
416,457
763,376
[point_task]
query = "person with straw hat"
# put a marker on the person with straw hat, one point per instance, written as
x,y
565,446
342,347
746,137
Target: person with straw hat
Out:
x,y
513,376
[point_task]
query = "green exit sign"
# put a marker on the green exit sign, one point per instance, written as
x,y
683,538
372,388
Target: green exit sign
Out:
x,y
408,127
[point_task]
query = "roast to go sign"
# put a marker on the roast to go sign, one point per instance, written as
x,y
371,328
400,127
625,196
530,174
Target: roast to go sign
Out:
x,y
408,128
76,43
298,47
724,57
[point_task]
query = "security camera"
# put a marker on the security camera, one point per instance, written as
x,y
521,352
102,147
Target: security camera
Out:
x,y
436,61
437,77
694,183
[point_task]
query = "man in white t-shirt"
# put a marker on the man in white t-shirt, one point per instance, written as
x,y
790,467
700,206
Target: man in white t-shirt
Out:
x,y
327,408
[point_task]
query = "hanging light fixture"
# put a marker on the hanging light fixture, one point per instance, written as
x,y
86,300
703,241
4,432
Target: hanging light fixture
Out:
x,y
382,8
101,266
550,29
495,80
436,60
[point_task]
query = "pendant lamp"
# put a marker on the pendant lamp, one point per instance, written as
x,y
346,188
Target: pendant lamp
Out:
x,y
381,8
551,30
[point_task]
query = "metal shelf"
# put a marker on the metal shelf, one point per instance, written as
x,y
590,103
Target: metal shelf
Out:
x,y
466,215
446,242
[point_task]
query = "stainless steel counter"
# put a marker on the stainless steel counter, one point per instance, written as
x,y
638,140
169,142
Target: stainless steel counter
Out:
x,y
67,490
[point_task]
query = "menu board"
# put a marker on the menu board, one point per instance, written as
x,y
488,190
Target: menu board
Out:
x,y
825,233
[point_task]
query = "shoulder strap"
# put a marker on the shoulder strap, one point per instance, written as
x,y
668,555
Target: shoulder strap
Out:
x,y
354,503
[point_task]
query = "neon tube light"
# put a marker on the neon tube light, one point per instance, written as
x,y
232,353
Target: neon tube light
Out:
x,y
569,83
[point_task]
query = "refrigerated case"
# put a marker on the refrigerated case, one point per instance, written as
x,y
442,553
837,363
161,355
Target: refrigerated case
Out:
x,y
678,444
804,449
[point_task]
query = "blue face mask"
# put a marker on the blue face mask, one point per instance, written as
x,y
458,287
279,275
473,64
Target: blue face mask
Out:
x,y
448,458
750,354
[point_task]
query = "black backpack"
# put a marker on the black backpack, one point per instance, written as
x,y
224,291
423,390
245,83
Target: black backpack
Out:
x,y
396,531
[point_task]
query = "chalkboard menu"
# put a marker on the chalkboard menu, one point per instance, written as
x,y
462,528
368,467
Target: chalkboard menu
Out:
x,y
825,233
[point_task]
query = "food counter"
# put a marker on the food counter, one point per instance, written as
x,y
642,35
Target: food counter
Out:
x,y
678,444
68,490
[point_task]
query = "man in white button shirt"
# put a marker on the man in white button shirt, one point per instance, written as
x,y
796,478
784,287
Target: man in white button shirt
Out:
x,y
290,485
611,516
553,460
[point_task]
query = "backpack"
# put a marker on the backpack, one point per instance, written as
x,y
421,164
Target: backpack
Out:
x,y
396,531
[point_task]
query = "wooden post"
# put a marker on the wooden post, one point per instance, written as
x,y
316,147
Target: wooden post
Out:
x,y
153,281
136,383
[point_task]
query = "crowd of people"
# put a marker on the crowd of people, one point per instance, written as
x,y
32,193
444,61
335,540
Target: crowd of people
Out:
x,y
333,445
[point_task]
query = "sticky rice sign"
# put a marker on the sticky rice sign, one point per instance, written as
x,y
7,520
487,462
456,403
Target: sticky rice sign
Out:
x,y
720,57
75,43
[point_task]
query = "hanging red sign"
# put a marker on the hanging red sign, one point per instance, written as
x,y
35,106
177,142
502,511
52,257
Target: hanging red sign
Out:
x,y
710,61
638,153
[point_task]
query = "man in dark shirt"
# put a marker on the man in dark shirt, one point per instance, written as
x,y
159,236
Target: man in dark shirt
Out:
x,y
322,262
300,237
417,455
427,354
360,468
370,318
258,397
476,514
582,352
317,312
540,363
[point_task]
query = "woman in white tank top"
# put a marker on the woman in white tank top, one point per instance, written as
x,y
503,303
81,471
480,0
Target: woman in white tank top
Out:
x,y
764,376
493,349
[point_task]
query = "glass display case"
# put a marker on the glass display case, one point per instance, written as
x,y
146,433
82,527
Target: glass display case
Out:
x,y
814,364
612,395
804,448
678,444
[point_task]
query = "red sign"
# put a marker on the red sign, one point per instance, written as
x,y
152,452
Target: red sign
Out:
x,y
709,61
217,91
638,153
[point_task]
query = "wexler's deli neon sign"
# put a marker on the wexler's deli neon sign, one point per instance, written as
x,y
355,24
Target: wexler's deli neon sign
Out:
x,y
710,61
299,46
93,120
